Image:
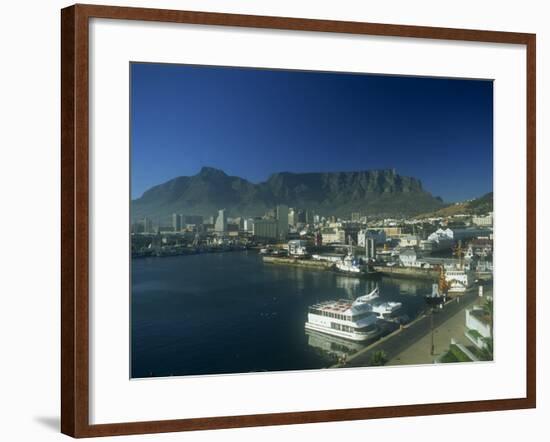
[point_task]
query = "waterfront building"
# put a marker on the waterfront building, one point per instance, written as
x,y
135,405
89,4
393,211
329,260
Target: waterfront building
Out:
x,y
282,221
480,247
221,221
330,257
409,241
176,222
407,258
266,229
297,247
392,231
485,221
333,235
379,237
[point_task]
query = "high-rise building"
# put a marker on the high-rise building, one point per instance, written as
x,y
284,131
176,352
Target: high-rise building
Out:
x,y
266,229
176,222
370,248
221,221
249,225
355,217
282,221
292,218
147,225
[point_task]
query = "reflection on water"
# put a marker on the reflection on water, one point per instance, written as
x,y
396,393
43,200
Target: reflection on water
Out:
x,y
231,313
333,347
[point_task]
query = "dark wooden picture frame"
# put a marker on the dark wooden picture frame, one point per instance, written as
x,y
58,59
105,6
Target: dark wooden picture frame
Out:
x,y
75,219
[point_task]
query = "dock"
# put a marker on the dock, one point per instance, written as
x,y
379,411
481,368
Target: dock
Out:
x,y
315,264
408,272
298,262
407,336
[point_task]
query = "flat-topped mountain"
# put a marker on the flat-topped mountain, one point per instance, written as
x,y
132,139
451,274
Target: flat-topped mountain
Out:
x,y
374,192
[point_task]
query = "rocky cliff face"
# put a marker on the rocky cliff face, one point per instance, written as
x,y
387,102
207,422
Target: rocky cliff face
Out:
x,y
379,192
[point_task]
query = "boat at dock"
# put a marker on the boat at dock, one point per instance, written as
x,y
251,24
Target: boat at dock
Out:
x,y
385,310
350,320
348,265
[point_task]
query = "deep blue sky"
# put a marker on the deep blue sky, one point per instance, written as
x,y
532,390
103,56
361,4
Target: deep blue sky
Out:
x,y
252,123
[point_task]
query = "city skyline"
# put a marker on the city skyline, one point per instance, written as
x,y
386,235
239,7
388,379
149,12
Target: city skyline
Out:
x,y
267,121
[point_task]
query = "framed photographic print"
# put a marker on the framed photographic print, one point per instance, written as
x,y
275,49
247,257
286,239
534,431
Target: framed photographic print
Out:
x,y
275,220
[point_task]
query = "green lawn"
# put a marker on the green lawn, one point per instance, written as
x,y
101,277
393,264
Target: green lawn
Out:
x,y
455,354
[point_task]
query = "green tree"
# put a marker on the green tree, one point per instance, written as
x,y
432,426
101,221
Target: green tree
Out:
x,y
379,358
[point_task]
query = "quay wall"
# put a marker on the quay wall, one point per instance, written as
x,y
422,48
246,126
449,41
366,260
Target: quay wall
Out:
x,y
297,262
408,272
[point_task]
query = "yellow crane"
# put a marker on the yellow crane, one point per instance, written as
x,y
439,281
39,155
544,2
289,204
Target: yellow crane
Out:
x,y
459,253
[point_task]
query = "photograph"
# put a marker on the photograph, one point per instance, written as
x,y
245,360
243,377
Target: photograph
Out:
x,y
287,220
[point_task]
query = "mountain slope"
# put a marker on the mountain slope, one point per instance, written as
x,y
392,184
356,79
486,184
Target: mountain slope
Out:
x,y
380,192
477,206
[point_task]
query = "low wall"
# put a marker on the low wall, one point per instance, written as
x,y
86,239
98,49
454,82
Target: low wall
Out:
x,y
408,272
297,262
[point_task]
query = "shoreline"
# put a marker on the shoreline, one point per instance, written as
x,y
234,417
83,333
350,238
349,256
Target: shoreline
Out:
x,y
410,334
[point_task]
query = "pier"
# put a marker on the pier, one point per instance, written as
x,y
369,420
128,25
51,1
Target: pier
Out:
x,y
408,272
298,262
414,337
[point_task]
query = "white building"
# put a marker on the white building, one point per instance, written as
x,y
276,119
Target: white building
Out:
x,y
249,225
407,258
409,241
297,247
332,236
485,221
478,327
221,222
379,237
282,221
441,234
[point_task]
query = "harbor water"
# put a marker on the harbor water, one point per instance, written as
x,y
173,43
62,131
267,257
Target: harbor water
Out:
x,y
229,312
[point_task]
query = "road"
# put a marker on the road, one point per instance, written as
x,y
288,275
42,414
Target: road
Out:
x,y
400,341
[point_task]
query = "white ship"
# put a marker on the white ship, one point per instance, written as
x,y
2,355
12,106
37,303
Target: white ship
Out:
x,y
348,265
351,320
458,280
385,309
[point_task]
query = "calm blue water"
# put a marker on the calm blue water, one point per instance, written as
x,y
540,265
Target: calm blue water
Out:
x,y
230,313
